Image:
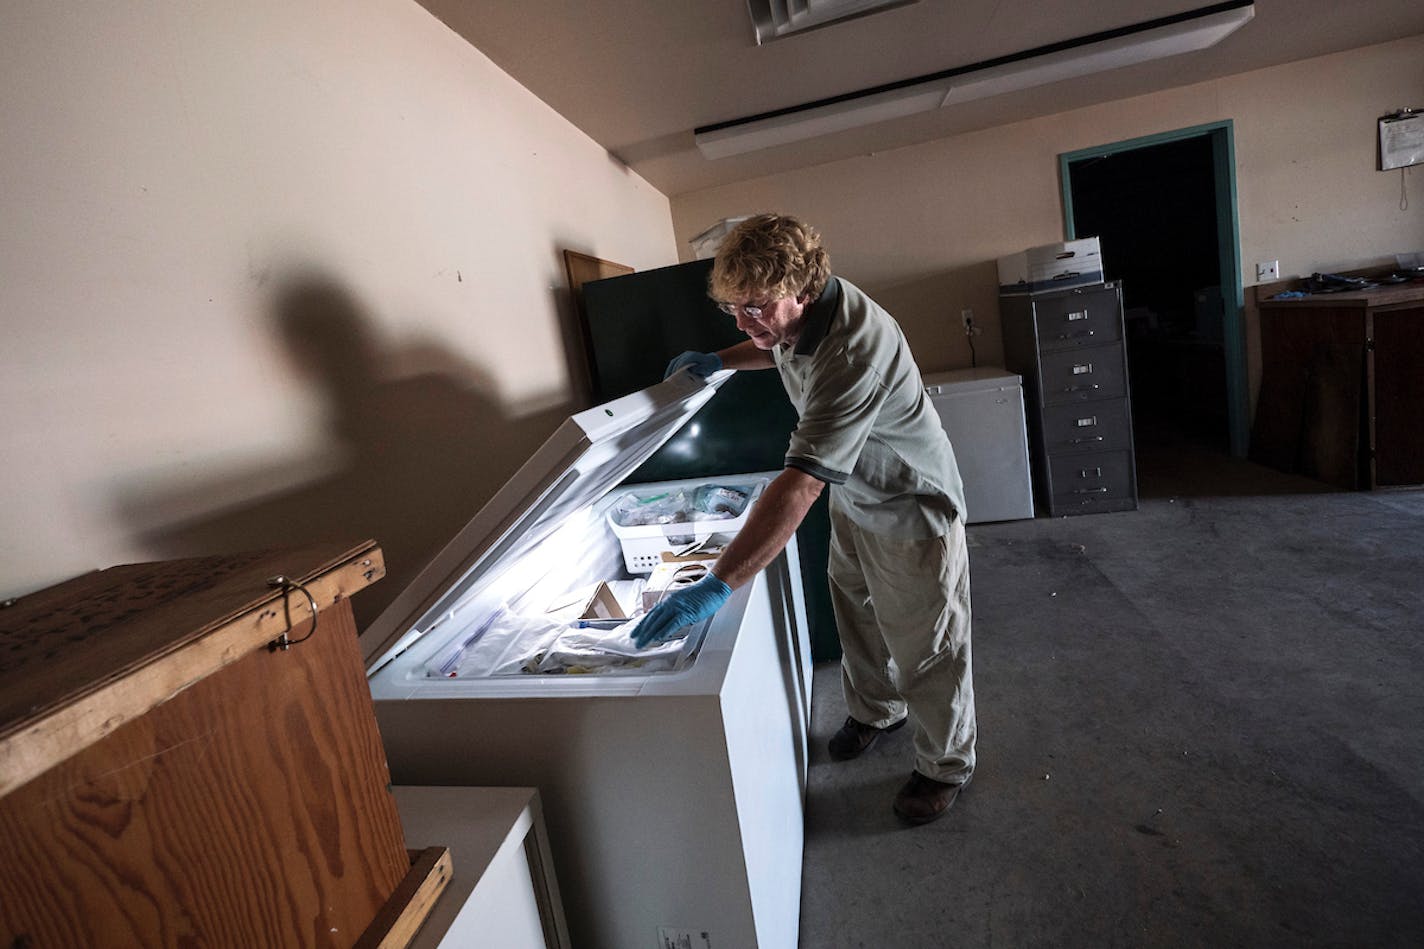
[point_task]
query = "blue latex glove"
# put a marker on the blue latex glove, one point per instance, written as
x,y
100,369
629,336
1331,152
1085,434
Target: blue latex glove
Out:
x,y
701,364
682,607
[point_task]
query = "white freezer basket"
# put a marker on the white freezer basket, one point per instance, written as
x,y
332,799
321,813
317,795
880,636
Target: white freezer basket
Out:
x,y
644,544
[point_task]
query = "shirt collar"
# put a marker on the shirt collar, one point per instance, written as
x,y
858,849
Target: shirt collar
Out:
x,y
818,318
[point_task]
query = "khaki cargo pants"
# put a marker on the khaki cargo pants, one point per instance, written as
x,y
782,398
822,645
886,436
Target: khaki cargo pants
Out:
x,y
902,607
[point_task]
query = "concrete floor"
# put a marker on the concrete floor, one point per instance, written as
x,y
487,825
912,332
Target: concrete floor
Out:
x,y
1200,724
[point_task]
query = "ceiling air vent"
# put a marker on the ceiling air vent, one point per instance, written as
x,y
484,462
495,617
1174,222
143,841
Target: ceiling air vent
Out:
x,y
773,19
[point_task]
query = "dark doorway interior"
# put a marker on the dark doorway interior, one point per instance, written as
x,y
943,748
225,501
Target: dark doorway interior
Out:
x,y
1154,209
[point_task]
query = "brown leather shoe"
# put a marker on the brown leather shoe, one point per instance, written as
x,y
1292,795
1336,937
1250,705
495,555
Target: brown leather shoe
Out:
x,y
854,737
923,799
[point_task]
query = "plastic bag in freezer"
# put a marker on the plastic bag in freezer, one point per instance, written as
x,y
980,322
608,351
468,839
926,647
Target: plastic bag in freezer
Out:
x,y
501,646
510,644
593,651
708,502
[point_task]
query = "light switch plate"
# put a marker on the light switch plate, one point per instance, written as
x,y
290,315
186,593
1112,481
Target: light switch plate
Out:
x,y
1268,270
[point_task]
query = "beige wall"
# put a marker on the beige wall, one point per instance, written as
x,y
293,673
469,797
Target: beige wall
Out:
x,y
921,227
276,270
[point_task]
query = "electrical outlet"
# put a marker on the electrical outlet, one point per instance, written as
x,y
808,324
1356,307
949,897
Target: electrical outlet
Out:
x,y
1268,270
967,316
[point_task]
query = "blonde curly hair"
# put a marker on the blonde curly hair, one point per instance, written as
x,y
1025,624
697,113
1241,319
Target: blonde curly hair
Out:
x,y
769,256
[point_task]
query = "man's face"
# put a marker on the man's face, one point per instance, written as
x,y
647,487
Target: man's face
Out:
x,y
769,321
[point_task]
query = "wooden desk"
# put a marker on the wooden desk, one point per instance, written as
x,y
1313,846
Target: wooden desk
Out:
x,y
1342,386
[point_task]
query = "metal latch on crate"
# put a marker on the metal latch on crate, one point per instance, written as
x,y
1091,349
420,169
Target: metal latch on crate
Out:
x,y
286,585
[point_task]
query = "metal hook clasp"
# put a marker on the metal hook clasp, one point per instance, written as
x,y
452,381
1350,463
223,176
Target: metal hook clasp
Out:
x,y
287,585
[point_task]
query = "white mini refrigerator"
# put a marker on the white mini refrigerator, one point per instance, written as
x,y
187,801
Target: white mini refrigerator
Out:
x,y
673,791
982,411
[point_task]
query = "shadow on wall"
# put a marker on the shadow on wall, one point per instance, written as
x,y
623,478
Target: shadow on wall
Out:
x,y
420,445
928,310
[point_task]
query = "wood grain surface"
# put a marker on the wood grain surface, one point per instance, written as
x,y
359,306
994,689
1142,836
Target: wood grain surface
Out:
x,y
400,919
1340,386
250,809
83,657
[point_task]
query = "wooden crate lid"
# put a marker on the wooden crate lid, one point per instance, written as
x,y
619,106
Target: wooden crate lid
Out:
x,y
85,656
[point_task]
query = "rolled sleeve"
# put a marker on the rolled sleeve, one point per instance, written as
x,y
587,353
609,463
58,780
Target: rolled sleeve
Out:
x,y
840,412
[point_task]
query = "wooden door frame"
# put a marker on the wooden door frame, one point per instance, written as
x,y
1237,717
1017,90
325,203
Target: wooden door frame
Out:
x,y
1228,244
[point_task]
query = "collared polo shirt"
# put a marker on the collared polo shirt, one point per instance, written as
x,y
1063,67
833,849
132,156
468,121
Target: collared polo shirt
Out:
x,y
866,426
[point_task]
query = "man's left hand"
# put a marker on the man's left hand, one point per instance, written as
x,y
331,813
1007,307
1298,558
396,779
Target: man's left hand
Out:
x,y
681,608
701,364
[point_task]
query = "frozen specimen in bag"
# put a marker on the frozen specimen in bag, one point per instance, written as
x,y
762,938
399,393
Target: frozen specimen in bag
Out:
x,y
501,645
634,510
717,501
709,502
508,642
591,651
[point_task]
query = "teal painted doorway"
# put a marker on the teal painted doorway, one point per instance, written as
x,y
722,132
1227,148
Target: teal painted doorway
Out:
x,y
1164,207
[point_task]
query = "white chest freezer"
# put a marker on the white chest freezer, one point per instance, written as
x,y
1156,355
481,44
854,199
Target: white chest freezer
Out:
x,y
675,797
982,411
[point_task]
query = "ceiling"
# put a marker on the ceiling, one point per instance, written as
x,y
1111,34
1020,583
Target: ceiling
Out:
x,y
638,76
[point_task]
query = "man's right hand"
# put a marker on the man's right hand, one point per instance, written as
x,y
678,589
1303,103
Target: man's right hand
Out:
x,y
680,609
701,364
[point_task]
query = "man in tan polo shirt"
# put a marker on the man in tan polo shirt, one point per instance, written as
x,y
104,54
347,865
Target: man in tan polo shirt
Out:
x,y
899,570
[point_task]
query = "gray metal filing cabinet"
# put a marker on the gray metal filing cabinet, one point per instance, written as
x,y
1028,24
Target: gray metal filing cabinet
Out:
x,y
1068,346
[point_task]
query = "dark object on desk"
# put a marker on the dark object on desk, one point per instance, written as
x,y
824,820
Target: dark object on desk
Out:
x,y
1335,283
1341,387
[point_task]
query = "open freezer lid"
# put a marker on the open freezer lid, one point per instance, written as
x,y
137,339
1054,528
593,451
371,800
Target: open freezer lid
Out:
x,y
586,457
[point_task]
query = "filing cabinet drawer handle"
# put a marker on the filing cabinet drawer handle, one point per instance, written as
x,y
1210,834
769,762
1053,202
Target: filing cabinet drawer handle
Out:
x,y
1077,315
1081,388
1077,334
1090,490
1079,441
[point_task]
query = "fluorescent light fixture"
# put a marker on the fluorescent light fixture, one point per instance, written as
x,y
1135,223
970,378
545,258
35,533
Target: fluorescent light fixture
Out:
x,y
782,129
1099,52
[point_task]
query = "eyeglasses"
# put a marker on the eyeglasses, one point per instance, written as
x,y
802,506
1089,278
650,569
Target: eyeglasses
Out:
x,y
751,310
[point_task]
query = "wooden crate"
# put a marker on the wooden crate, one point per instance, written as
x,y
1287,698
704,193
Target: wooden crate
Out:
x,y
171,779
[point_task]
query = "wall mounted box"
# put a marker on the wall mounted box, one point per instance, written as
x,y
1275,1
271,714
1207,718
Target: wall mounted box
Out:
x,y
170,780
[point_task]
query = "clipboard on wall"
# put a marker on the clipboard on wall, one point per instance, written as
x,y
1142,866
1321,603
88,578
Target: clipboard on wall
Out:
x,y
1401,139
